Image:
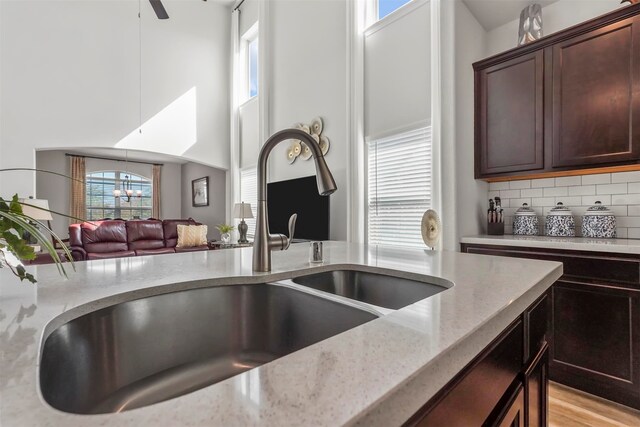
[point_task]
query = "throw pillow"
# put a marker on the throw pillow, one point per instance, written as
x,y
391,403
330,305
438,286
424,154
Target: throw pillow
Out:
x,y
191,235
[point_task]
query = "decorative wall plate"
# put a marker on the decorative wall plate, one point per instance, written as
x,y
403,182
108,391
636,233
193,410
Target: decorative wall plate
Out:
x,y
325,144
431,228
290,156
296,145
303,127
300,149
306,152
316,126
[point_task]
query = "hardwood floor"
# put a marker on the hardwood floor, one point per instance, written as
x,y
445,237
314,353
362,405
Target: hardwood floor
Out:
x,y
573,408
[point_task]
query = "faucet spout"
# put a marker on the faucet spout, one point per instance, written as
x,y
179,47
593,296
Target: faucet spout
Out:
x,y
264,242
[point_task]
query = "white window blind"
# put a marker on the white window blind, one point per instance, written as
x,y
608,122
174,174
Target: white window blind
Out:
x,y
249,194
399,187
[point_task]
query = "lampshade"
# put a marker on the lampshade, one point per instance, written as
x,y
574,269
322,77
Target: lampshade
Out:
x,y
34,212
242,210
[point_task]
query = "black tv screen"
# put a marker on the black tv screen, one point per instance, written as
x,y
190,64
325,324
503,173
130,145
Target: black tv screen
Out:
x,y
284,198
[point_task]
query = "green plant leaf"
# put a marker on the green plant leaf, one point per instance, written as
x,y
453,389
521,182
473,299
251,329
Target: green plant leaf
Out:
x,y
64,247
22,274
225,228
13,226
18,246
17,270
23,223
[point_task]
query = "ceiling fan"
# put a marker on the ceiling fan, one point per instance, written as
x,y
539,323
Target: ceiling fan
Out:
x,y
159,9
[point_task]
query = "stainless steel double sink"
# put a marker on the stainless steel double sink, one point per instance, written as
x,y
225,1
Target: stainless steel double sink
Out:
x,y
148,350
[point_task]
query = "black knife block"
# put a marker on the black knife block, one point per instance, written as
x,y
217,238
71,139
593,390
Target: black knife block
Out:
x,y
495,228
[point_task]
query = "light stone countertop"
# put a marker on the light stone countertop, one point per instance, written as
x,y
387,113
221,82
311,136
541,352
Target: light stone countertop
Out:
x,y
379,373
620,246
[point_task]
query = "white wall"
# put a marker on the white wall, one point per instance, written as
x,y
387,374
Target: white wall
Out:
x,y
57,189
309,79
470,46
69,77
213,214
555,17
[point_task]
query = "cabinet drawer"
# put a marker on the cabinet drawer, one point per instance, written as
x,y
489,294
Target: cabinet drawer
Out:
x,y
577,264
536,326
514,413
470,398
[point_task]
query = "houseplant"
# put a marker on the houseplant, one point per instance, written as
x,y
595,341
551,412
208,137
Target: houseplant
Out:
x,y
225,230
14,224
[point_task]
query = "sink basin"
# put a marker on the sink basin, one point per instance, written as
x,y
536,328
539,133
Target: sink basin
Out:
x,y
372,288
149,350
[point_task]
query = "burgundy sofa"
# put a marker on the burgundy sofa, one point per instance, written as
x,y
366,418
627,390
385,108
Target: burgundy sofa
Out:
x,y
118,238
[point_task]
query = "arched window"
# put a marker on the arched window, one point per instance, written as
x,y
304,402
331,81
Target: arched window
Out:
x,y
101,203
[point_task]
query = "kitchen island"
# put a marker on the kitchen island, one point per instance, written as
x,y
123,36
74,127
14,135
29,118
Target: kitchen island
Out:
x,y
379,373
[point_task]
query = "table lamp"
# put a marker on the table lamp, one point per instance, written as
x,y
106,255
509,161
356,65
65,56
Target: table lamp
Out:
x,y
38,210
242,211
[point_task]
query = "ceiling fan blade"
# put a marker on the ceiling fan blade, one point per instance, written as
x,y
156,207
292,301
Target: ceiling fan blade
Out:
x,y
159,9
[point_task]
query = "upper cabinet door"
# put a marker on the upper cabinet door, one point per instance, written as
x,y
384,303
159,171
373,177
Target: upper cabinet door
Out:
x,y
596,97
509,116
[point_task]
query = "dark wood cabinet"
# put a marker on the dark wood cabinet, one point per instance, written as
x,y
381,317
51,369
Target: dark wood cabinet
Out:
x,y
594,334
596,96
505,385
536,389
514,413
596,339
511,137
568,101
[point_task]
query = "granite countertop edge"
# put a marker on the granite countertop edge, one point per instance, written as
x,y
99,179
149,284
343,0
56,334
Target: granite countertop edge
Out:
x,y
620,246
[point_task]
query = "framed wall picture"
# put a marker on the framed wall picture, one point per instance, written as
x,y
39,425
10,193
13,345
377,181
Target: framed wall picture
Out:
x,y
200,192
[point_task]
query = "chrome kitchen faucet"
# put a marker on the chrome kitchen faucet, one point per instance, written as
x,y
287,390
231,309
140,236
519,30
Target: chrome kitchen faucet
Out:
x,y
263,241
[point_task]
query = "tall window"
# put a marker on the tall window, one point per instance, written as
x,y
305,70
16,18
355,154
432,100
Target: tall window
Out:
x,y
385,7
250,63
399,187
249,194
101,202
253,67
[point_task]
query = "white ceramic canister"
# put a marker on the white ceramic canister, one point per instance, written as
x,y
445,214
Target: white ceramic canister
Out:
x,y
525,222
599,222
560,222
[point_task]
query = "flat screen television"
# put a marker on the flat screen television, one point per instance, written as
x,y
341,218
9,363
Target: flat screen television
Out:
x,y
284,198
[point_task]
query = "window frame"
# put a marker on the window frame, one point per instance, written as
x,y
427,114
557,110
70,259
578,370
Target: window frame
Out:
x,y
252,35
118,208
371,10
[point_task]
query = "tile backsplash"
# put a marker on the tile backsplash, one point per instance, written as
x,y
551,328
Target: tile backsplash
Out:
x,y
619,191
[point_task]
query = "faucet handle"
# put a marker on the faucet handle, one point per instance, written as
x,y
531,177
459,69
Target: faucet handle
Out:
x,y
292,229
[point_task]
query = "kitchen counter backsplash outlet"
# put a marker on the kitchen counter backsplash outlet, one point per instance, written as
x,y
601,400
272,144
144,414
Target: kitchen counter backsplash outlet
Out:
x,y
560,222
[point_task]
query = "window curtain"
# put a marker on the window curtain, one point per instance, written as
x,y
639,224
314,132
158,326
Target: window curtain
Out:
x,y
78,208
155,188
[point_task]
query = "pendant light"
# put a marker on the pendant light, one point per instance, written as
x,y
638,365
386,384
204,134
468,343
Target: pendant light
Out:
x,y
126,191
